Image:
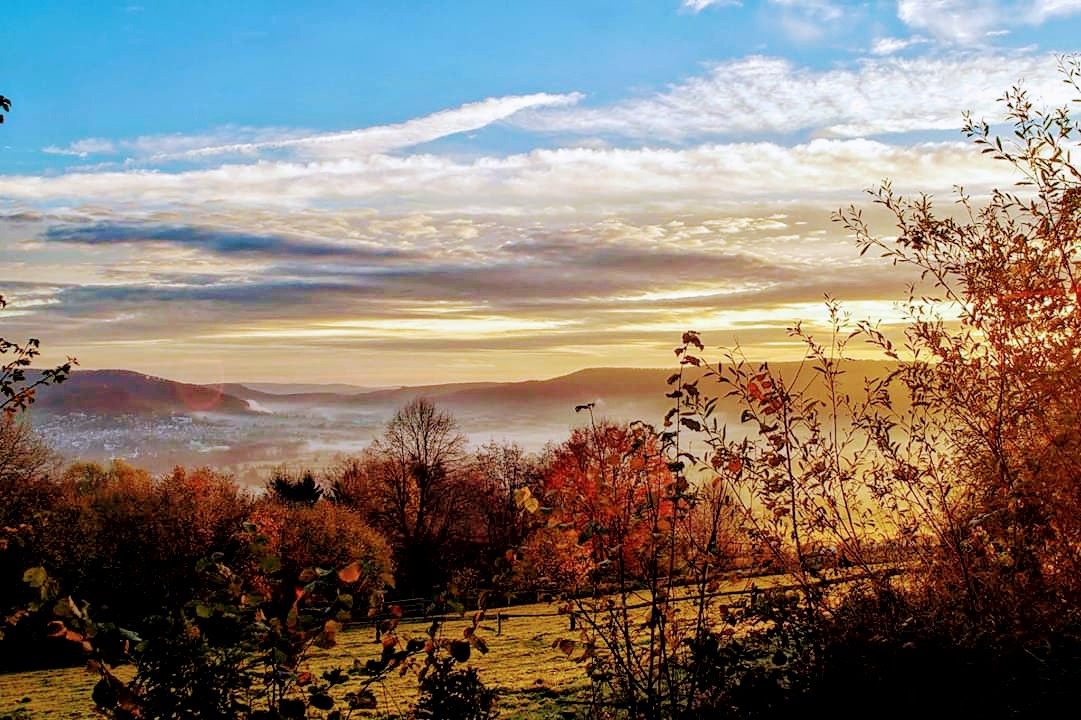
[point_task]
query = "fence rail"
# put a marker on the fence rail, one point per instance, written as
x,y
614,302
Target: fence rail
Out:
x,y
417,608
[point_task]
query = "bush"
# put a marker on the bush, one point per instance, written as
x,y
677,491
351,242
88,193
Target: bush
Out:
x,y
323,535
451,693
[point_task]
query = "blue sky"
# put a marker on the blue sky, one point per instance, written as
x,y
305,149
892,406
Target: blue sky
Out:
x,y
485,189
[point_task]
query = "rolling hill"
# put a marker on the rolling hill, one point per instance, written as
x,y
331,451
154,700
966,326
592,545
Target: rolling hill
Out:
x,y
124,392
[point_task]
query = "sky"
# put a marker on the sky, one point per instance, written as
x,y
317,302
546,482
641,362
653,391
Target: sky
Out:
x,y
414,192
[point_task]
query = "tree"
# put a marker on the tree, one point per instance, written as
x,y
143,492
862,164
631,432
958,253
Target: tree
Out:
x,y
354,483
290,490
965,460
501,473
322,535
25,459
999,385
608,483
423,490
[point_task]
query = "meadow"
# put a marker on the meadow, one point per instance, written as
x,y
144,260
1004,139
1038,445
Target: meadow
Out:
x,y
530,677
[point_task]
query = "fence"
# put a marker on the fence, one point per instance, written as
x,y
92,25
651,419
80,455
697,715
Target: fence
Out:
x,y
419,608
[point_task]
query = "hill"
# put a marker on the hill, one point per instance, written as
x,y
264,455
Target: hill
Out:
x,y
617,393
279,388
101,414
123,392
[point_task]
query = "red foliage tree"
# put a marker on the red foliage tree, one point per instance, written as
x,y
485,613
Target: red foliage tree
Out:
x,y
609,483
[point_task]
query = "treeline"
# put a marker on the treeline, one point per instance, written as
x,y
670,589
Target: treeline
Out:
x,y
424,515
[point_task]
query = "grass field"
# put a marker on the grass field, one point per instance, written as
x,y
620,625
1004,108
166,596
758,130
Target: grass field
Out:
x,y
532,680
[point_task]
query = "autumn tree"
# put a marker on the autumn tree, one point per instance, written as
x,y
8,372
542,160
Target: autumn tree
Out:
x,y
993,352
25,458
122,522
500,474
424,493
607,483
962,462
323,535
355,483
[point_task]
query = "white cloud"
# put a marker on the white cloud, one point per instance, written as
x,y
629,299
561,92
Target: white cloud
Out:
x,y
961,21
82,148
891,45
1043,10
971,22
366,141
819,9
143,147
764,95
563,182
251,142
697,6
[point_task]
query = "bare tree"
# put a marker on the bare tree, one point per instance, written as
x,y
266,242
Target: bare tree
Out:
x,y
423,491
24,457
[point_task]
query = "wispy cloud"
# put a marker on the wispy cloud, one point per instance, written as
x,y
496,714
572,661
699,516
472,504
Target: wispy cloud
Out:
x,y
765,95
541,183
891,45
224,242
1043,10
972,22
253,142
83,148
697,6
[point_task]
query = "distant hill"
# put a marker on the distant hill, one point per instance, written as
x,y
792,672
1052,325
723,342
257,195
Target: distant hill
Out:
x,y
617,393
269,399
621,393
132,415
119,392
304,388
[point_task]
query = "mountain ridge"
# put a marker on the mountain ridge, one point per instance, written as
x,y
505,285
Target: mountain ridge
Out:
x,y
119,391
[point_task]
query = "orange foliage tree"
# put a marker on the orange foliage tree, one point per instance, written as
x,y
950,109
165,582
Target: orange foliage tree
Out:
x,y
323,535
607,483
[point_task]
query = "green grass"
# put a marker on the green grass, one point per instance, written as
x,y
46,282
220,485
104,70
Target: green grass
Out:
x,y
532,680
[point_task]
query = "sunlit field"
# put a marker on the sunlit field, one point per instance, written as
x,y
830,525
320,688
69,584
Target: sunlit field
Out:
x,y
532,680
531,677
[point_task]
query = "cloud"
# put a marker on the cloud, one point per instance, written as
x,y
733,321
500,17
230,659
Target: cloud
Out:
x,y
83,148
822,9
553,293
818,9
771,96
254,142
381,139
143,147
568,253
972,22
540,184
891,45
216,241
697,6
961,21
1043,10
503,268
